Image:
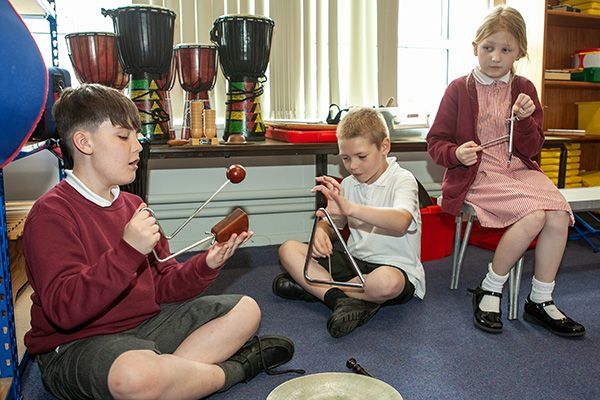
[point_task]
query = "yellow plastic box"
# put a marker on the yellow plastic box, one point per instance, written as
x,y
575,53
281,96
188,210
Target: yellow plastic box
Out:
x,y
589,117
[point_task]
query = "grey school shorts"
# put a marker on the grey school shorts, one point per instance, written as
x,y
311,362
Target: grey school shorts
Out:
x,y
79,370
342,271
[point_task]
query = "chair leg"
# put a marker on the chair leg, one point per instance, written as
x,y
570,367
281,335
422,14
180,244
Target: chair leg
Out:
x,y
458,253
514,285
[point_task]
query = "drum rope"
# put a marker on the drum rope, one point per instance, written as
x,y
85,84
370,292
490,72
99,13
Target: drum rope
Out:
x,y
256,91
158,115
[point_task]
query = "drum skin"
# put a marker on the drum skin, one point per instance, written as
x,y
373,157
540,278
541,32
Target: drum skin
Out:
x,y
24,81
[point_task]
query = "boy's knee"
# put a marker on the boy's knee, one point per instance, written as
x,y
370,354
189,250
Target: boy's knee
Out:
x,y
288,248
285,247
250,308
390,286
133,375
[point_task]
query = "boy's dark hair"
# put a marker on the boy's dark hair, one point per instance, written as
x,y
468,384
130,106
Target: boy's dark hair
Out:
x,y
363,122
87,107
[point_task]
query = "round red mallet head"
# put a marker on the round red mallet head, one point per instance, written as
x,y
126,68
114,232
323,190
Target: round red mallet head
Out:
x,y
236,173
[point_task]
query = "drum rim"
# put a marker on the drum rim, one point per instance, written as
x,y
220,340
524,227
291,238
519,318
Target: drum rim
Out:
x,y
90,33
144,7
194,45
245,17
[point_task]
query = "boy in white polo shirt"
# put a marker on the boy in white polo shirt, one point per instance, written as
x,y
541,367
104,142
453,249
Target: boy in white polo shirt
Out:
x,y
379,202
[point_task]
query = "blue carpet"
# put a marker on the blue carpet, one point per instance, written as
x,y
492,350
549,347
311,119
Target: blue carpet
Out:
x,y
428,349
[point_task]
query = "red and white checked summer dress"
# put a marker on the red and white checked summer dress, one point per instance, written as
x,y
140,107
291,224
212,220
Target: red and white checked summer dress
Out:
x,y
503,193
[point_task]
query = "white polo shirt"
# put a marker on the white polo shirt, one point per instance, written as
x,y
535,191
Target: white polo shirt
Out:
x,y
395,188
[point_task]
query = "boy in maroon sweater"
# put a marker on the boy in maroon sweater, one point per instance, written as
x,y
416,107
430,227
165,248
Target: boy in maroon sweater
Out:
x,y
107,319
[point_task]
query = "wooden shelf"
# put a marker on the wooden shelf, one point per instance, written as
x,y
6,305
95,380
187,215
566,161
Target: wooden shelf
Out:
x,y
572,84
572,19
564,34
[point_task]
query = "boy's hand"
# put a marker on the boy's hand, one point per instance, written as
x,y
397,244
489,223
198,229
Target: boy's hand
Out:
x,y
523,106
141,232
219,253
322,246
337,204
466,153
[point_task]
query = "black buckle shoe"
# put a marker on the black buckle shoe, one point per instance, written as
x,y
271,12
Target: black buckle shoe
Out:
x,y
263,354
284,286
536,314
485,320
349,314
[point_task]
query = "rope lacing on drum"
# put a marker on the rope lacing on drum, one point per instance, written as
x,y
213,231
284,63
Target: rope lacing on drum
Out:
x,y
257,91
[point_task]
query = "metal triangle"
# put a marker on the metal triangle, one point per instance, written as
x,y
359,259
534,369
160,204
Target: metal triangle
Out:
x,y
333,282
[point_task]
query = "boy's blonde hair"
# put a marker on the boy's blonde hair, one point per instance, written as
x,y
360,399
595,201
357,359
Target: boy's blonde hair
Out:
x,y
363,122
508,19
89,106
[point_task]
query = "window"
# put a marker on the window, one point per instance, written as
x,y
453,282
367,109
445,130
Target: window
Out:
x,y
72,16
434,48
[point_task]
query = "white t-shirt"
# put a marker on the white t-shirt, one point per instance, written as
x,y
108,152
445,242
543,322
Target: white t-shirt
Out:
x,y
396,188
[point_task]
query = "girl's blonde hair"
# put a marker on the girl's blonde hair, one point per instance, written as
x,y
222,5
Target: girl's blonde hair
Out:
x,y
508,19
363,122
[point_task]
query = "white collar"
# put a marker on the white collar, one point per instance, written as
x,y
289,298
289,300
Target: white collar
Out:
x,y
86,192
486,80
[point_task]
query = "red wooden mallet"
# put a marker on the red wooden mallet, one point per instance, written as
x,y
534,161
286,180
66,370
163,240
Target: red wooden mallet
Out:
x,y
236,222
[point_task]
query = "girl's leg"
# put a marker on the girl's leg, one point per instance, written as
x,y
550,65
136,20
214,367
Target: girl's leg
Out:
x,y
512,245
516,240
540,308
550,245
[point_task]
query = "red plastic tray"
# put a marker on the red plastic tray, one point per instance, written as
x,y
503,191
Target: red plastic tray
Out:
x,y
298,136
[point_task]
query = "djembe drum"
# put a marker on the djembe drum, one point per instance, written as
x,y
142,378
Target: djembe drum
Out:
x,y
197,70
145,38
244,47
166,82
95,58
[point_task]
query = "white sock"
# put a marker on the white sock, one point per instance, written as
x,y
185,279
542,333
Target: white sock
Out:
x,y
492,283
542,292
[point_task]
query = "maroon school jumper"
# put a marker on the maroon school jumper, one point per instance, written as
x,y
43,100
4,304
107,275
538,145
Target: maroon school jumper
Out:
x,y
86,279
456,123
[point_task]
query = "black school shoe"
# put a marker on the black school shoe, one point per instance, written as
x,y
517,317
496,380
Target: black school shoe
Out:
x,y
263,354
284,286
350,313
535,313
485,320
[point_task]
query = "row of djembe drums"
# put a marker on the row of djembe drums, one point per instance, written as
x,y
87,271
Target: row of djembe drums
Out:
x,y
140,55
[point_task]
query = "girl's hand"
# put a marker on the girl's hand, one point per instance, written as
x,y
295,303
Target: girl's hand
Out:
x,y
466,153
523,106
141,232
219,253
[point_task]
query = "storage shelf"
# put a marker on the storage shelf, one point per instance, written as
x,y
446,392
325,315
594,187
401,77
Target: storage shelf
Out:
x,y
572,19
564,34
572,84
